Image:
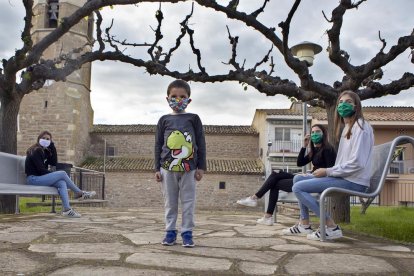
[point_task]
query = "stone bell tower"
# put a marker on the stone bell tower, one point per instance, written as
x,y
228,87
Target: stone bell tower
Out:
x,y
63,108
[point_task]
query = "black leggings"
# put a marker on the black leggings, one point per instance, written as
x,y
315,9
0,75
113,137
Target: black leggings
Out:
x,y
275,182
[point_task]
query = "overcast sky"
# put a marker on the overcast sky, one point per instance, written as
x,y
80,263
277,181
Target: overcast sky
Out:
x,y
123,94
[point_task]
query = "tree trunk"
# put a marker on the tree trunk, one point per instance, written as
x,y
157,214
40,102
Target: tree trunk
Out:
x,y
7,204
9,110
8,123
337,204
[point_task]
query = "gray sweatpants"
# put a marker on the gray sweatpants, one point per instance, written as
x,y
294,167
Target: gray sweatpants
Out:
x,y
179,185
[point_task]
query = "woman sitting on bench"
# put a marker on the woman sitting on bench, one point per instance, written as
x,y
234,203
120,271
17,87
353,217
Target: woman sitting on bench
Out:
x,y
39,157
321,154
352,168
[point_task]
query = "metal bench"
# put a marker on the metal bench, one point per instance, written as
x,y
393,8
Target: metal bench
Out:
x,y
13,180
381,160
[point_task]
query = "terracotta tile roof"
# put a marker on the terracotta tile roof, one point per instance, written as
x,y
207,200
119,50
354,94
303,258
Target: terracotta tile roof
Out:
x,y
139,128
379,113
289,111
208,129
228,166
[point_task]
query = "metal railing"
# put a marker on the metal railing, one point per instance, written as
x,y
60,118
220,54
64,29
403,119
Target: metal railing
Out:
x,y
286,146
86,180
89,180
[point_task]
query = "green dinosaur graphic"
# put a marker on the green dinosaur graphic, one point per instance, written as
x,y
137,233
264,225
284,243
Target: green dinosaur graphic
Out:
x,y
181,149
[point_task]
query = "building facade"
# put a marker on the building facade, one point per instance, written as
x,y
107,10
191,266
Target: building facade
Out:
x,y
62,107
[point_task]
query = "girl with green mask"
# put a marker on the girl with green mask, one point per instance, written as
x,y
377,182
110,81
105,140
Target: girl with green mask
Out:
x,y
321,154
352,166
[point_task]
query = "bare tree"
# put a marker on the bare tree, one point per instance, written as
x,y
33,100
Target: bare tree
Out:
x,y
361,78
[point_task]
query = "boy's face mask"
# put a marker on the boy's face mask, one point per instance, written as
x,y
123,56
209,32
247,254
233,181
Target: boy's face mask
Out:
x,y
44,143
345,109
178,104
316,137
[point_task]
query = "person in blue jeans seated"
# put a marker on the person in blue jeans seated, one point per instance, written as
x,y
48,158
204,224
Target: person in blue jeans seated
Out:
x,y
351,171
321,154
180,160
39,157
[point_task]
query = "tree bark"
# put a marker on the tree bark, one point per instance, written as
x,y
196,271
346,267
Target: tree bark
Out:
x,y
8,123
7,204
8,142
337,205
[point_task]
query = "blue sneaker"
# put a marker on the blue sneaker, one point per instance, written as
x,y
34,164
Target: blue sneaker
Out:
x,y
187,239
170,238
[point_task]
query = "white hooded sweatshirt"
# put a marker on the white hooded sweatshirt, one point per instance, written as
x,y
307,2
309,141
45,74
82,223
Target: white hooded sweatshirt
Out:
x,y
353,161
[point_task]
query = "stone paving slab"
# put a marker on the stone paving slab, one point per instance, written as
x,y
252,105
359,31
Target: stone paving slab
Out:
x,y
18,263
336,264
20,237
170,260
127,242
92,270
265,256
257,268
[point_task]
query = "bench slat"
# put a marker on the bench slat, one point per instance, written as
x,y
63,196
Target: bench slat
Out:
x,y
19,189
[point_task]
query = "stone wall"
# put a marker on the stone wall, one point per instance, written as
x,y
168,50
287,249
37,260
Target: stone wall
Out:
x,y
142,145
134,189
63,108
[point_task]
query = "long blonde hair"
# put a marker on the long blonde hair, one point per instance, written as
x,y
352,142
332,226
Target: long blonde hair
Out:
x,y
339,121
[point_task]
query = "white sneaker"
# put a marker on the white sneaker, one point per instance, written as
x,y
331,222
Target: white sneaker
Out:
x,y
265,221
71,214
87,195
297,230
331,234
248,201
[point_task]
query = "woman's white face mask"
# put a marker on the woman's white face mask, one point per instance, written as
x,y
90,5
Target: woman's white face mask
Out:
x,y
44,143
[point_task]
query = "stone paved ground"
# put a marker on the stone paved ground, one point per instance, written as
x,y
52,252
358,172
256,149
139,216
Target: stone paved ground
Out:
x,y
127,242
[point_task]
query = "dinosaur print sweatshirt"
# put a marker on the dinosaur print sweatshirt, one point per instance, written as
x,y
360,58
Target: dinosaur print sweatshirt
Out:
x,y
180,143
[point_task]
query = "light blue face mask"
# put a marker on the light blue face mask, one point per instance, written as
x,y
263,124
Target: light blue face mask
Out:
x,y
179,104
44,143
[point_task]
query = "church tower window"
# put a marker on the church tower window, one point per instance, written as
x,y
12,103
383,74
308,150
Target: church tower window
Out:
x,y
53,12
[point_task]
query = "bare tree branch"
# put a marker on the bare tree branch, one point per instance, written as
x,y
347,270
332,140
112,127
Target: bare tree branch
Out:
x,y
260,10
384,43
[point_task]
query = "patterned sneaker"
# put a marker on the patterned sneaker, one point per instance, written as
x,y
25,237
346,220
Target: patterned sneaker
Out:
x,y
170,238
248,201
87,195
265,221
331,234
297,230
71,214
187,239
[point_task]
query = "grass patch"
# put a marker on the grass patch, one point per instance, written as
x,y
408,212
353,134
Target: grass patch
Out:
x,y
395,223
34,209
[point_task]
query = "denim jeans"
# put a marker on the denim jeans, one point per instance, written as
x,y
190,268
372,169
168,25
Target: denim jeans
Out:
x,y
304,185
59,180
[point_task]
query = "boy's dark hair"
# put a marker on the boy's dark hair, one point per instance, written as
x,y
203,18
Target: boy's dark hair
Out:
x,y
179,84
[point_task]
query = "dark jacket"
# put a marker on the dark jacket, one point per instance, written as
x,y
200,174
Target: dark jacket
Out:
x,y
321,158
38,161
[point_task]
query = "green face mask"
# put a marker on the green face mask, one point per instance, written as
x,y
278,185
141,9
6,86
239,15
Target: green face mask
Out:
x,y
345,109
316,137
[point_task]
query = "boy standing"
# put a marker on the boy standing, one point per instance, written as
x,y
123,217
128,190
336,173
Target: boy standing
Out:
x,y
180,160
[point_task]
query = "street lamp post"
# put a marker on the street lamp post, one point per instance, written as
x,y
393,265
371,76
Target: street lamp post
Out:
x,y
305,51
